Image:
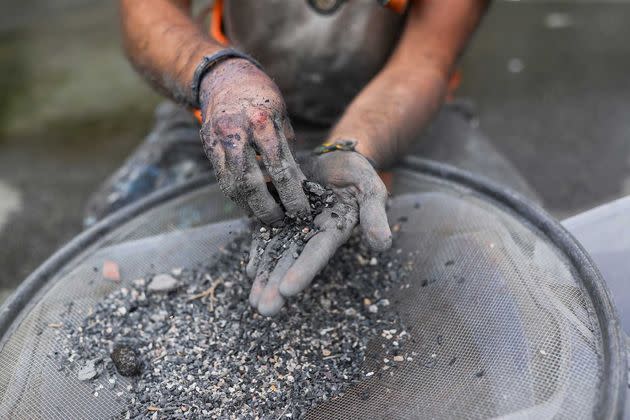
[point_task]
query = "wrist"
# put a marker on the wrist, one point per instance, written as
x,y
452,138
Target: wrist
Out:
x,y
342,145
362,145
225,71
216,61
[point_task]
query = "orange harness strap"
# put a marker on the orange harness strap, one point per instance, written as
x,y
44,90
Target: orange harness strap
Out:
x,y
398,6
453,84
216,32
216,23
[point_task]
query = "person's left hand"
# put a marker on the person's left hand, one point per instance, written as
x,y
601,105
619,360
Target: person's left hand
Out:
x,y
360,198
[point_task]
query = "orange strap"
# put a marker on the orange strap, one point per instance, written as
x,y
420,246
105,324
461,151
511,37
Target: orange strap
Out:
x,y
216,18
216,32
453,84
216,23
398,6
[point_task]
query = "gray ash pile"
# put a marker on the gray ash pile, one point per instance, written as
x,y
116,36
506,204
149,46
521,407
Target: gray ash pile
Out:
x,y
197,348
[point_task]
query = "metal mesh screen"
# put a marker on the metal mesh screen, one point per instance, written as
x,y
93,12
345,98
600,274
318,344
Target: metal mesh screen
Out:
x,y
499,320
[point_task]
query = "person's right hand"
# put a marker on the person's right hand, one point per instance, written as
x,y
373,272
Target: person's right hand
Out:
x,y
243,114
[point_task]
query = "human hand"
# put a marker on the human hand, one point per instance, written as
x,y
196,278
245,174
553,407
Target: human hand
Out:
x,y
360,196
244,114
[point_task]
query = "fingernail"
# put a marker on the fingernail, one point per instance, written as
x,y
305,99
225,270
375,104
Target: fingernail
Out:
x,y
270,306
379,240
253,300
254,295
287,287
250,270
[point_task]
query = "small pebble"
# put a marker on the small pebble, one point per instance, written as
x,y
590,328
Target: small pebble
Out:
x,y
350,312
88,371
139,282
111,271
314,188
163,283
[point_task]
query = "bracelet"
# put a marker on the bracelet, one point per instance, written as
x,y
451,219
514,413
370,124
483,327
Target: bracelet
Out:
x,y
345,145
209,61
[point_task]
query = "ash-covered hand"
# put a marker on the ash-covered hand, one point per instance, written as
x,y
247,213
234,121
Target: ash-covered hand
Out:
x,y
244,114
359,197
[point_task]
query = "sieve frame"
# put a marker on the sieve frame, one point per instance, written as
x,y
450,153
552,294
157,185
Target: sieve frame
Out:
x,y
614,364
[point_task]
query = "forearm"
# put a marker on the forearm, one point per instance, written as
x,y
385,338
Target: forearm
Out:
x,y
164,44
390,112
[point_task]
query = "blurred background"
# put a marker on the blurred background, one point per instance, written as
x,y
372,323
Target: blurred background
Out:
x,y
549,80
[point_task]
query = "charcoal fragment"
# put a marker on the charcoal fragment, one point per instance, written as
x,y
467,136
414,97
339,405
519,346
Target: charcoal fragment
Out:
x,y
314,188
126,360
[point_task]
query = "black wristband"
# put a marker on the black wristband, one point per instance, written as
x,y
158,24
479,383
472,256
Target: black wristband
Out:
x,y
208,62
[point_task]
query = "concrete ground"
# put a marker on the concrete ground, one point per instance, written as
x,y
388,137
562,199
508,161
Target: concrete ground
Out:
x,y
549,80
71,108
552,87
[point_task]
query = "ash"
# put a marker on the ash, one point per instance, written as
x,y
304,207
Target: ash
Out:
x,y
295,231
202,351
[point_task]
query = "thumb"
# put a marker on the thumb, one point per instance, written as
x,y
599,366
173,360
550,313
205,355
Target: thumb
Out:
x,y
373,221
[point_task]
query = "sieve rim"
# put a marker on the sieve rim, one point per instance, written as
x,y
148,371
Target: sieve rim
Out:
x,y
613,381
615,373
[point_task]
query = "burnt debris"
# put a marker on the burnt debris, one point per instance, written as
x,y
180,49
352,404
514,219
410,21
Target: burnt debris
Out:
x,y
192,345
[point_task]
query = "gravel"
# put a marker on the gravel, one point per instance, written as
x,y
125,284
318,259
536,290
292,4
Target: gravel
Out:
x,y
197,348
